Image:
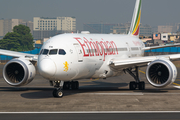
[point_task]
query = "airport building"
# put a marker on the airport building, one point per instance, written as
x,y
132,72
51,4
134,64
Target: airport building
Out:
x,y
167,29
178,27
98,27
45,27
28,24
6,25
122,28
146,30
1,28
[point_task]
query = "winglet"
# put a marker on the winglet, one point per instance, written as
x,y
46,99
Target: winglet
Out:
x,y
135,24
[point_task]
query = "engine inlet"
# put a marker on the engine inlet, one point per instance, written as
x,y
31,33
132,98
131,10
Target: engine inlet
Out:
x,y
15,72
159,73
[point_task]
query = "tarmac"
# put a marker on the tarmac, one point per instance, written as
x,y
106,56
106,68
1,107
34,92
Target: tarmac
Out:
x,y
92,116
111,94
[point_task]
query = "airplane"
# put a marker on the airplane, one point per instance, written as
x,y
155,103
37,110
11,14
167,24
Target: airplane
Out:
x,y
64,59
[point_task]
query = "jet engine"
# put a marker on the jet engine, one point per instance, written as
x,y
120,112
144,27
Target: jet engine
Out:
x,y
18,72
161,73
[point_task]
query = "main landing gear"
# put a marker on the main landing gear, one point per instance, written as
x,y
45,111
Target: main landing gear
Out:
x,y
73,85
59,85
135,84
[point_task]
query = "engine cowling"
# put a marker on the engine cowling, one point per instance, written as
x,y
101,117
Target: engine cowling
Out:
x,y
161,73
19,72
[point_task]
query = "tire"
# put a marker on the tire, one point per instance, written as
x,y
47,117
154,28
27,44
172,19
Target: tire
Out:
x,y
142,86
132,85
58,93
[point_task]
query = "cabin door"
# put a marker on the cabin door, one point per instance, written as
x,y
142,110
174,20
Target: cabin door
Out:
x,y
79,52
129,50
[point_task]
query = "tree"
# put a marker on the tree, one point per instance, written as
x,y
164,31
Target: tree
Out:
x,y
18,40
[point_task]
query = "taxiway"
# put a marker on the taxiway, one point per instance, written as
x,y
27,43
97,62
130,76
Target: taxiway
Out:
x,y
111,94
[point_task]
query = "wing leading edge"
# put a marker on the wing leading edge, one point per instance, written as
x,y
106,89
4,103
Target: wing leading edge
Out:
x,y
163,46
139,61
26,56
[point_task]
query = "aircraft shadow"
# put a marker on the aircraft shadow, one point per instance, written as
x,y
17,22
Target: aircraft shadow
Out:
x,y
11,89
97,86
42,92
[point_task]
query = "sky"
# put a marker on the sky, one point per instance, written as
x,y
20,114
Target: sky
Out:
x,y
154,12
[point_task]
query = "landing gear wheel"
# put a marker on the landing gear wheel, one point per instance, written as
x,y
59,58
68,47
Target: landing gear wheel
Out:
x,y
132,85
58,93
141,86
135,74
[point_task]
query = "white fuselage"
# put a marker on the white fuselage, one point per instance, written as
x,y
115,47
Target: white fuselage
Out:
x,y
79,56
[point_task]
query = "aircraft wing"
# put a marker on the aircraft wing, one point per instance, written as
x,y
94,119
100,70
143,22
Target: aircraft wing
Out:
x,y
139,61
163,46
26,56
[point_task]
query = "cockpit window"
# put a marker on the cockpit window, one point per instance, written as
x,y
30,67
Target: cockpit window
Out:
x,y
41,51
53,52
45,52
62,52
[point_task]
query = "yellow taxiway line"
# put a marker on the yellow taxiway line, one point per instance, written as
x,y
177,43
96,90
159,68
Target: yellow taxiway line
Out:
x,y
90,80
142,72
176,84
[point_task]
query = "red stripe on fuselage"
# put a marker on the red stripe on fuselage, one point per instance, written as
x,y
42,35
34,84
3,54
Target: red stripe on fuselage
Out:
x,y
97,48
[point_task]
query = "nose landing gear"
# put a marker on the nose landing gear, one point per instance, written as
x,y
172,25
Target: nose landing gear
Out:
x,y
57,92
59,85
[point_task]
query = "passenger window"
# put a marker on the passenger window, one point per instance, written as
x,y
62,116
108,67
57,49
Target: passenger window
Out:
x,y
62,52
45,52
53,52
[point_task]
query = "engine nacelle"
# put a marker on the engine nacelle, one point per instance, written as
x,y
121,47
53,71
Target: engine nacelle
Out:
x,y
161,73
18,72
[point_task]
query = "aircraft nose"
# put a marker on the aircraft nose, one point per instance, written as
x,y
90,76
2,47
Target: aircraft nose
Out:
x,y
47,67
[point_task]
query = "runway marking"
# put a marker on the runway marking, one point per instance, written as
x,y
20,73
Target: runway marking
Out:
x,y
90,80
128,94
176,84
161,93
142,72
137,100
89,112
111,94
177,87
